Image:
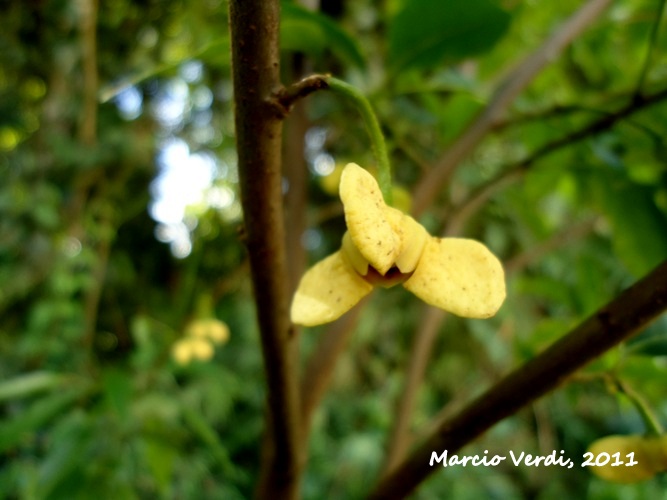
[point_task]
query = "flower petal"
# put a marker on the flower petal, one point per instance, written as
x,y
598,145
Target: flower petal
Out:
x,y
460,276
366,219
328,290
412,238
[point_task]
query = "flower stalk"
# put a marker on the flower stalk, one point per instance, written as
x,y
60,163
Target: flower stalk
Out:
x,y
374,132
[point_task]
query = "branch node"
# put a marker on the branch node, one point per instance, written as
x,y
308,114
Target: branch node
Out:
x,y
283,100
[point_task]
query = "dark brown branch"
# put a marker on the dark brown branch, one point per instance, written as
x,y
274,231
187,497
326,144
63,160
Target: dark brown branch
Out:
x,y
431,184
254,28
516,171
623,317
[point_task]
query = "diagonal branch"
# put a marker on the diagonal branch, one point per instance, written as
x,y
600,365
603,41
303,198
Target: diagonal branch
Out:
x,y
624,316
420,354
516,171
319,370
431,184
254,28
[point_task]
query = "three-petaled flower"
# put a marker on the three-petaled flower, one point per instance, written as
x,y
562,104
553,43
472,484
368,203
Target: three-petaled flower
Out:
x,y
383,246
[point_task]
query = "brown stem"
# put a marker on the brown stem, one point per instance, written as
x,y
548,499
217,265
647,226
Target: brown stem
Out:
x,y
87,134
88,27
286,97
558,240
322,362
624,316
431,184
420,354
254,26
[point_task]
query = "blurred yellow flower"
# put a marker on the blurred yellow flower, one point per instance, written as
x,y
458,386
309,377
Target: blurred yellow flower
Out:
x,y
210,328
384,247
628,459
197,344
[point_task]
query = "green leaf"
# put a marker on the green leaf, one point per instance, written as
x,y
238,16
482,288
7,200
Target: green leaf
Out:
x,y
30,383
69,452
426,33
300,35
118,390
652,341
639,227
160,457
37,415
300,27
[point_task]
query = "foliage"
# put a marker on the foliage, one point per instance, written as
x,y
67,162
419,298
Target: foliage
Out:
x,y
98,280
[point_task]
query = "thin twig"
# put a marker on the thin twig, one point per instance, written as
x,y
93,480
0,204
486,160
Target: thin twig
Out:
x,y
557,240
254,26
544,114
286,97
400,440
515,171
88,26
626,315
653,38
87,134
431,184
319,370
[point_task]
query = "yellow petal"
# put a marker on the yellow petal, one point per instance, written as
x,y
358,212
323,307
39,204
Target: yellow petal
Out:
x,y
460,276
412,239
202,349
208,328
353,255
328,290
181,351
366,219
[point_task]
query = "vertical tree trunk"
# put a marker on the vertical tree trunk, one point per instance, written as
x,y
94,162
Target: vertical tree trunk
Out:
x,y
255,66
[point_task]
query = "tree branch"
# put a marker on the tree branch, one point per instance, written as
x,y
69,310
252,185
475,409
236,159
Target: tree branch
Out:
x,y
87,135
624,316
431,184
254,28
400,440
286,97
557,240
517,170
319,370
88,27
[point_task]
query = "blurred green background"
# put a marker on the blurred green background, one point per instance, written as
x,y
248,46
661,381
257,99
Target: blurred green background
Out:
x,y
120,218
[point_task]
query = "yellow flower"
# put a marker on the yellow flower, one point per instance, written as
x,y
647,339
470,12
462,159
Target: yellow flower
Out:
x,y
200,335
641,457
209,328
383,246
189,348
